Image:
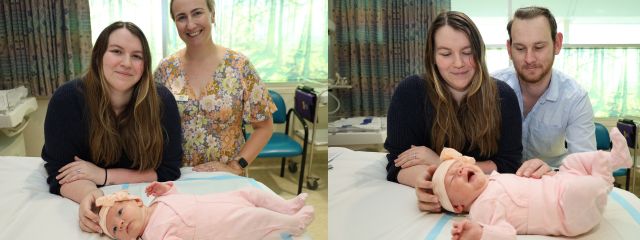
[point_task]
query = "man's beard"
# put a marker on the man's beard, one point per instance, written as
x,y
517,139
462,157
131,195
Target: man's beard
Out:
x,y
536,79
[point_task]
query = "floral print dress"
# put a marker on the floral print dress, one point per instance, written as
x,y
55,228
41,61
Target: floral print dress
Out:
x,y
212,122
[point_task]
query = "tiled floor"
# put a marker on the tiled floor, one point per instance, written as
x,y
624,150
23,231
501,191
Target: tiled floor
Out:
x,y
267,171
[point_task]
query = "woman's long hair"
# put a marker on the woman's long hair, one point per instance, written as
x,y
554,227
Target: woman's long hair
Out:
x,y
137,130
477,119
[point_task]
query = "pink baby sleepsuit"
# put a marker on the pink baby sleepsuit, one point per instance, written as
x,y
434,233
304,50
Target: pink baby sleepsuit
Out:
x,y
568,203
248,213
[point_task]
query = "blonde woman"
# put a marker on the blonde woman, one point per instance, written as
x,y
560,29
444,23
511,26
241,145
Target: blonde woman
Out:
x,y
217,89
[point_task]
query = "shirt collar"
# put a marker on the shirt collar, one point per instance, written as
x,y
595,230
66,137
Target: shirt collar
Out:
x,y
551,94
554,87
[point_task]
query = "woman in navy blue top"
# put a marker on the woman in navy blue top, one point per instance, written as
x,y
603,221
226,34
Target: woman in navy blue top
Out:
x,y
454,104
112,126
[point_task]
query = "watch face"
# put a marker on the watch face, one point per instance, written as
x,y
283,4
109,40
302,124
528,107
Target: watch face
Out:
x,y
243,163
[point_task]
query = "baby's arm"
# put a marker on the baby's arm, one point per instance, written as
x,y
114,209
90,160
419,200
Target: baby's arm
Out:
x,y
158,189
491,216
466,229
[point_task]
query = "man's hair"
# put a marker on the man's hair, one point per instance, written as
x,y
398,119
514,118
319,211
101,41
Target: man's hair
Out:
x,y
533,12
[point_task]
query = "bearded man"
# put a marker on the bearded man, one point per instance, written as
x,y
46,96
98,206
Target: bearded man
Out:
x,y
557,117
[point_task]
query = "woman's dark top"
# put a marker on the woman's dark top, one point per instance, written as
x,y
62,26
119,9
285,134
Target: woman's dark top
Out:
x,y
66,134
409,123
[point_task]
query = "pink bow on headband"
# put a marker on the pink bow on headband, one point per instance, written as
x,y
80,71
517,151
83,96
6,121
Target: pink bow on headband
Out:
x,y
452,154
110,200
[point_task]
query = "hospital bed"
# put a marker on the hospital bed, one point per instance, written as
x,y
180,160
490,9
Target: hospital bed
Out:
x,y
29,211
364,205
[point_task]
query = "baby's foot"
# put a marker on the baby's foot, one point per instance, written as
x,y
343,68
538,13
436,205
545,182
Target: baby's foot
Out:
x,y
620,151
307,213
297,203
305,217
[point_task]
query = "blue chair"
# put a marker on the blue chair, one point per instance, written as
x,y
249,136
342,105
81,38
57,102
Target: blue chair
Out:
x,y
281,144
603,142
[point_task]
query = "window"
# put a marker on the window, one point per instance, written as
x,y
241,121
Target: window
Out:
x,y
601,46
286,40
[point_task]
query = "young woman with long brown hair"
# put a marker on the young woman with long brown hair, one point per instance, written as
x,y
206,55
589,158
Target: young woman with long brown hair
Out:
x,y
112,126
455,104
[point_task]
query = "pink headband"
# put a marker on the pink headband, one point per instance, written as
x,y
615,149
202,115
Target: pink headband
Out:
x,y
448,157
106,202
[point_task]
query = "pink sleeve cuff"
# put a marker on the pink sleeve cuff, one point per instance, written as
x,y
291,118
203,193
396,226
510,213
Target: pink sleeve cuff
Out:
x,y
491,232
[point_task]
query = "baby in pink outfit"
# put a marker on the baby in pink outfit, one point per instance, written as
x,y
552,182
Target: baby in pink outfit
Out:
x,y
248,213
500,206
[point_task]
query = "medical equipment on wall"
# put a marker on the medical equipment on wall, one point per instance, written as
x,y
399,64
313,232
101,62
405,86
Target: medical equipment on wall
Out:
x,y
338,83
15,106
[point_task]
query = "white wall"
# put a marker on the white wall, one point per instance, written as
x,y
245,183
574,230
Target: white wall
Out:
x,y
34,132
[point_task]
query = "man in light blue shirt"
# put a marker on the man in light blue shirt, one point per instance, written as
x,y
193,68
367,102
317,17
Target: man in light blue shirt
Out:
x,y
555,109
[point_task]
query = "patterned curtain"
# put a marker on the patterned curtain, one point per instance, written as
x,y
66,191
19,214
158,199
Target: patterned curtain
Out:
x,y
43,43
378,43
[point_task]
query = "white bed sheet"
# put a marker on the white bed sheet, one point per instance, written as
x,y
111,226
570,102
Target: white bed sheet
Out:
x,y
29,211
364,205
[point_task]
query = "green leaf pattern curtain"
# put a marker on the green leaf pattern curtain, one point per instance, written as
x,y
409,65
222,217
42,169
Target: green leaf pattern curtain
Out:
x,y
285,40
610,75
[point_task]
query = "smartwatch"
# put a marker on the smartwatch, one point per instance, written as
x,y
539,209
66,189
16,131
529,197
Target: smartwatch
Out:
x,y
243,163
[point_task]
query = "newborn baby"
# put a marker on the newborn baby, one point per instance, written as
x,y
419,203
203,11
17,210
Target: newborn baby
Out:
x,y
248,213
500,206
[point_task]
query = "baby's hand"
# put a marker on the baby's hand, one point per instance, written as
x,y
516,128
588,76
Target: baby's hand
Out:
x,y
466,229
157,189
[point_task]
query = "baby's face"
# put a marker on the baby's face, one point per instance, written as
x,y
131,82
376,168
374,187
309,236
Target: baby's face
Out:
x,y
125,220
464,182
